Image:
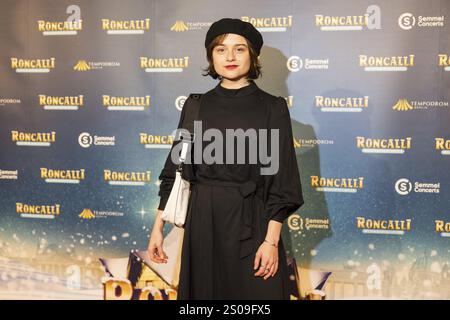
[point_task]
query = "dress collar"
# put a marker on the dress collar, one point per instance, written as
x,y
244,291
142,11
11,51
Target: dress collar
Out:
x,y
234,93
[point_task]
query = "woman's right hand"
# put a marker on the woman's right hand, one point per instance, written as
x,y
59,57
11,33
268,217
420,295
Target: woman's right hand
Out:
x,y
155,245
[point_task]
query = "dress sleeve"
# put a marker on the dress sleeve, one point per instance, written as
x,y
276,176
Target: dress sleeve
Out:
x,y
167,175
283,189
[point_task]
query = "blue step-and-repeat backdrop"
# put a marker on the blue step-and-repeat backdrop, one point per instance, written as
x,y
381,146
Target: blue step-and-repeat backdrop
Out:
x,y
91,92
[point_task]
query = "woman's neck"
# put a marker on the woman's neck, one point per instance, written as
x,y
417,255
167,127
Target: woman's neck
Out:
x,y
231,84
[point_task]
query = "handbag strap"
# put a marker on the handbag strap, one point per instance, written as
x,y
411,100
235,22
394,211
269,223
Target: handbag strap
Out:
x,y
194,101
192,105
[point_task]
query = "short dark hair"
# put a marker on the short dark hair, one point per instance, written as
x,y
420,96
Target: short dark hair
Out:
x,y
255,66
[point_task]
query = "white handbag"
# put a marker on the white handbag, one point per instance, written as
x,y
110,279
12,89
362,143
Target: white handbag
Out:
x,y
176,207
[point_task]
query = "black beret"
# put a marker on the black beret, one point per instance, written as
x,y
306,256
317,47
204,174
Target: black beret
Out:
x,y
237,26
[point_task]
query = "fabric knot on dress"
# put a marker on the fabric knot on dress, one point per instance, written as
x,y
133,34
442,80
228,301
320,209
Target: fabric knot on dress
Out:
x,y
248,243
247,190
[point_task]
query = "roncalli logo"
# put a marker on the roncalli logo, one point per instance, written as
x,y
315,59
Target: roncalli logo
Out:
x,y
83,65
389,145
126,103
404,187
407,21
70,27
351,185
442,228
32,65
343,104
163,64
296,223
379,226
151,141
33,139
121,27
9,174
444,61
393,63
272,24
62,176
443,145
38,211
61,103
88,214
181,26
405,105
85,139
370,20
127,178
295,64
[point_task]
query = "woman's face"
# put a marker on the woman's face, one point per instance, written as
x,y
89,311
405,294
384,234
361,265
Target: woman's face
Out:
x,y
231,58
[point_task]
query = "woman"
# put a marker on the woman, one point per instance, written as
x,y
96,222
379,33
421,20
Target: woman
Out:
x,y
232,247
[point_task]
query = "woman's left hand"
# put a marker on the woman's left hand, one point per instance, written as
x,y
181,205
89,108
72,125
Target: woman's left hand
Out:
x,y
266,261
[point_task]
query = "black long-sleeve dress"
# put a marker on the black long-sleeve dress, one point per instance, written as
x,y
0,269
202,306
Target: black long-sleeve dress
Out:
x,y
231,203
